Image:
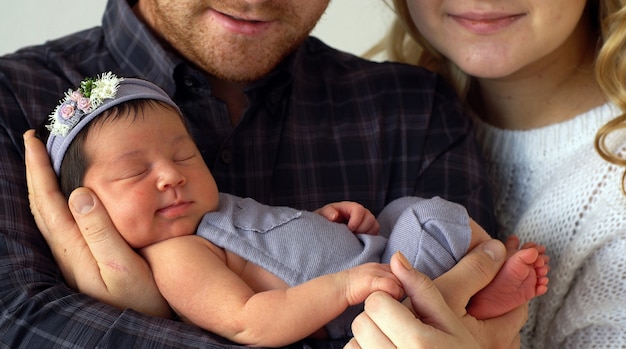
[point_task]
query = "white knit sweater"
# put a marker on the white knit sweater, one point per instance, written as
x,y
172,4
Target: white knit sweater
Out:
x,y
550,186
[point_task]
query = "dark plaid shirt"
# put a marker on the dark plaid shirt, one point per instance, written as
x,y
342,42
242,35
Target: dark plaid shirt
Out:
x,y
324,126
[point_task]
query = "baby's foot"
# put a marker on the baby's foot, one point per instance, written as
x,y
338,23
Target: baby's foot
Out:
x,y
522,277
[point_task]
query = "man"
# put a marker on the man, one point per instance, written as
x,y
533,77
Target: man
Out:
x,y
277,115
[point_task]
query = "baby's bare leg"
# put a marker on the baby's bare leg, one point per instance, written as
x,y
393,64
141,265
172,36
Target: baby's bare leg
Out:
x,y
522,277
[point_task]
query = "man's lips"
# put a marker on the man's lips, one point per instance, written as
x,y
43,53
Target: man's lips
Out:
x,y
241,25
240,18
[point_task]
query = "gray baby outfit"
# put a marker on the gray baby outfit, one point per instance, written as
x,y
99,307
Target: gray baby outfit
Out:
x,y
433,234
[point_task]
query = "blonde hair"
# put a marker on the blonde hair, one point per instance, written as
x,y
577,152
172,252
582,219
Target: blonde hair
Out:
x,y
405,44
611,72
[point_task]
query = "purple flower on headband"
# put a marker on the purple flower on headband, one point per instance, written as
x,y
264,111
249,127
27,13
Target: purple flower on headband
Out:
x,y
67,116
67,110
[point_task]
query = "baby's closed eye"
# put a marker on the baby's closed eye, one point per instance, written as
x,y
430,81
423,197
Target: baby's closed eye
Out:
x,y
130,172
187,154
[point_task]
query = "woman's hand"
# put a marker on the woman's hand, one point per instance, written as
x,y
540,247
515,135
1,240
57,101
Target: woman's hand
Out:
x,y
440,318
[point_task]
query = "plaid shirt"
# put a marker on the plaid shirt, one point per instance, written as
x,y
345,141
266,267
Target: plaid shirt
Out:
x,y
324,126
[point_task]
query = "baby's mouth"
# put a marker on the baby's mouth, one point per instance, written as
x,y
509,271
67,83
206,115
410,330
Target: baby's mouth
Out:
x,y
175,209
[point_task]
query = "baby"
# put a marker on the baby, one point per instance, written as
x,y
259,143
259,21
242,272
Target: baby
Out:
x,y
255,274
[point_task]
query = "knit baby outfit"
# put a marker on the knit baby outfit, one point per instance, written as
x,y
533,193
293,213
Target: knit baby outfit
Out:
x,y
297,246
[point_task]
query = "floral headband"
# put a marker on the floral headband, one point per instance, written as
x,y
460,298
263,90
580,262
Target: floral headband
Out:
x,y
90,99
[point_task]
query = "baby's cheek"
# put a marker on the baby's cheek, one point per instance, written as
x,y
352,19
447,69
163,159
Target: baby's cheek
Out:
x,y
131,222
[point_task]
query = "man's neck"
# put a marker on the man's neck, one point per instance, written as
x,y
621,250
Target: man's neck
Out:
x,y
231,93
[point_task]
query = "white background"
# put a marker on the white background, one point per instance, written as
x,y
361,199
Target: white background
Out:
x,y
350,25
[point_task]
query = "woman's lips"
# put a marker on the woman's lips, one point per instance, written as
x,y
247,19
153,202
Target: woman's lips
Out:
x,y
486,24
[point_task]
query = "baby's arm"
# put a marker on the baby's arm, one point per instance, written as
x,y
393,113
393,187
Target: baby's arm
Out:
x,y
358,218
192,275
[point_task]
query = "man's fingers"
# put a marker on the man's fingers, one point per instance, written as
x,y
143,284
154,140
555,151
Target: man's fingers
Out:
x,y
471,274
105,242
44,191
121,269
92,255
49,208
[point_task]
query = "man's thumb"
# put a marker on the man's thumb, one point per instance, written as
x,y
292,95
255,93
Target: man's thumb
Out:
x,y
93,221
81,201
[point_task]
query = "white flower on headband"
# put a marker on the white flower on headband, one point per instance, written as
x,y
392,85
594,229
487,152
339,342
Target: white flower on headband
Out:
x,y
82,101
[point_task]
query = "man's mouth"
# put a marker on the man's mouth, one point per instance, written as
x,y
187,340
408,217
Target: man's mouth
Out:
x,y
241,19
241,25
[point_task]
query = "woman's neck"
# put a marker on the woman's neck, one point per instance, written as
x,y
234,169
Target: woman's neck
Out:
x,y
555,89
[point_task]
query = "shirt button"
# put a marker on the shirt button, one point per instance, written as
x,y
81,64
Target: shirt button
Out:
x,y
226,156
188,81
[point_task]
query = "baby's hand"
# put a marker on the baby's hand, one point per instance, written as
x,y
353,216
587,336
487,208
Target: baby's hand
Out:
x,y
365,279
358,218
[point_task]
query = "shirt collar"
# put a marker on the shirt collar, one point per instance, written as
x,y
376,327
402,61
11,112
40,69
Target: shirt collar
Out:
x,y
142,55
135,48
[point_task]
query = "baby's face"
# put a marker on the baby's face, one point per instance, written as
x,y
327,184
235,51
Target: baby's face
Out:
x,y
150,176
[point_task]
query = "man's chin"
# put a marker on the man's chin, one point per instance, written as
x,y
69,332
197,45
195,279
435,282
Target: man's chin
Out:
x,y
247,67
243,76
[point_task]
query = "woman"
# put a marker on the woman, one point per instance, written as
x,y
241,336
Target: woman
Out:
x,y
545,82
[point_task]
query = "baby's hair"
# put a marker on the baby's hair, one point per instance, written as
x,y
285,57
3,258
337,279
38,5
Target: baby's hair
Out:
x,y
75,162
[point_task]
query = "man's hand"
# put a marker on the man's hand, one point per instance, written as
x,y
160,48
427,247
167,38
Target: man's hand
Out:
x,y
92,255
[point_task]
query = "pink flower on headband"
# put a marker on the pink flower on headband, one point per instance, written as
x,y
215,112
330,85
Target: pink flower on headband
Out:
x,y
74,96
67,110
82,101
84,104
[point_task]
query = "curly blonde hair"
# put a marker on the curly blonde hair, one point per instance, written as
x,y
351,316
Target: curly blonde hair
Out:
x,y
611,70
404,43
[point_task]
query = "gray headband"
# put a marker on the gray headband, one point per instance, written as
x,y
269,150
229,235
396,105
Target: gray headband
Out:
x,y
91,99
